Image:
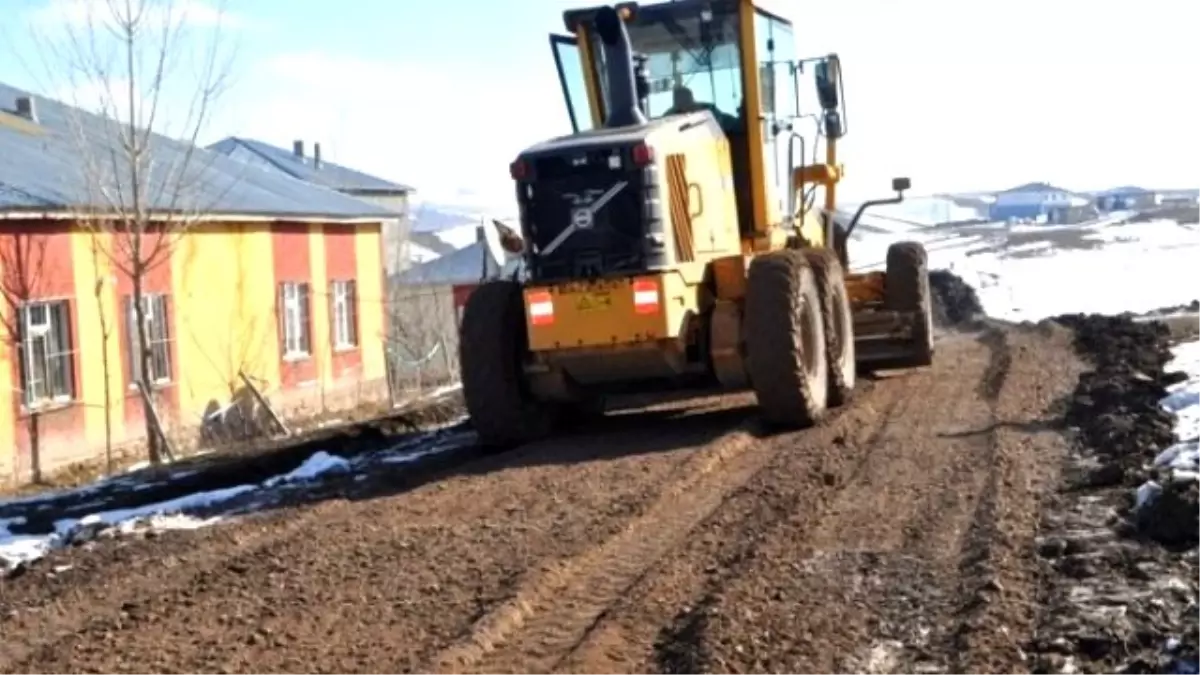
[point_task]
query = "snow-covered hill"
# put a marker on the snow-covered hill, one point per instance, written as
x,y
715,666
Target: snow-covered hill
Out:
x,y
453,219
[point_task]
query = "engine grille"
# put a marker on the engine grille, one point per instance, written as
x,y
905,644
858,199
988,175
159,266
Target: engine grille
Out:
x,y
614,239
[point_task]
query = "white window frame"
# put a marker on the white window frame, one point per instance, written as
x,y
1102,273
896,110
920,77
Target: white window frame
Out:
x,y
294,320
344,293
35,389
154,306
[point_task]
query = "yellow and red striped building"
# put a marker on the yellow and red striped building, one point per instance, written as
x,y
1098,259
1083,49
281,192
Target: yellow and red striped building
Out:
x,y
220,302
277,278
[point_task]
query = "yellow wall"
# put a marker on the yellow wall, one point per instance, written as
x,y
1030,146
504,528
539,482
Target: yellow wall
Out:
x,y
368,247
223,286
93,337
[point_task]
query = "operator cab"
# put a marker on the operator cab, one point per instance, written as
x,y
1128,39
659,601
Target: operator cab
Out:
x,y
713,54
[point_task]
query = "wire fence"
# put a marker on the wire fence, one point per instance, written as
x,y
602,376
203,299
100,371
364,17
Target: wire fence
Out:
x,y
422,340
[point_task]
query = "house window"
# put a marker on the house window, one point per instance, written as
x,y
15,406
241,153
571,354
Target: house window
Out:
x,y
154,308
345,314
47,373
293,298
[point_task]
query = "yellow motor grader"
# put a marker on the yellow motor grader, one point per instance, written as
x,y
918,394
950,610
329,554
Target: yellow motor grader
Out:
x,y
673,240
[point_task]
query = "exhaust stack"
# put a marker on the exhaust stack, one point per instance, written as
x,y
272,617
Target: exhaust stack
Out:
x,y
618,59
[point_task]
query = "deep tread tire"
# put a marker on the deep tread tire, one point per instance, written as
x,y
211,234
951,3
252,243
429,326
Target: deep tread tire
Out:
x,y
785,340
907,290
492,341
838,319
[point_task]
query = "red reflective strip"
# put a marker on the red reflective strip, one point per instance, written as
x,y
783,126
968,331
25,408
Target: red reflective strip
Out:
x,y
645,297
541,309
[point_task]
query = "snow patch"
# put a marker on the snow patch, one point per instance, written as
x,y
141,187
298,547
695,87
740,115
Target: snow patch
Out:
x,y
1183,458
315,466
18,549
1183,399
420,254
1136,276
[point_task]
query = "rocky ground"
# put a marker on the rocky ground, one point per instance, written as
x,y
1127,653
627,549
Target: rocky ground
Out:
x,y
959,518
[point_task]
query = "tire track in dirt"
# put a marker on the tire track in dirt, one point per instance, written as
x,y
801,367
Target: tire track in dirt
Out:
x,y
889,555
543,627
553,612
576,591
822,464
1026,445
974,576
877,561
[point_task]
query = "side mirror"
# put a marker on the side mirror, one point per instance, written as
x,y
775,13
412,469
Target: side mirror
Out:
x,y
901,184
828,78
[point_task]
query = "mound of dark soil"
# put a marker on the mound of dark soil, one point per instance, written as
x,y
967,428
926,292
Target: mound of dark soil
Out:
x,y
954,300
1116,406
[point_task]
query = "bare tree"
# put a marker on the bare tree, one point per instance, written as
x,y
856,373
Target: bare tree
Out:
x,y
145,183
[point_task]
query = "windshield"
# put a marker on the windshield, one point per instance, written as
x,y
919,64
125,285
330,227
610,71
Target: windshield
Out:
x,y
692,61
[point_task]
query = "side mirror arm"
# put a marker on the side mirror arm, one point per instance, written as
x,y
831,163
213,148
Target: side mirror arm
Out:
x,y
898,184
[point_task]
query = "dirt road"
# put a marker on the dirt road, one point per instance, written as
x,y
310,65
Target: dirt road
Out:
x,y
895,536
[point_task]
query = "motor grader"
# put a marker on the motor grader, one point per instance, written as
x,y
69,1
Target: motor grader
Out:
x,y
673,241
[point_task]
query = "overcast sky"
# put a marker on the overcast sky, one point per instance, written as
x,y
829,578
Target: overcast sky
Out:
x,y
958,95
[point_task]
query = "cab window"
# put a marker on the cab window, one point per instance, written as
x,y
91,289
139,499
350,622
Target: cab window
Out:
x,y
692,62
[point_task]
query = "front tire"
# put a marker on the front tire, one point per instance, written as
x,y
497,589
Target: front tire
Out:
x,y
785,340
907,290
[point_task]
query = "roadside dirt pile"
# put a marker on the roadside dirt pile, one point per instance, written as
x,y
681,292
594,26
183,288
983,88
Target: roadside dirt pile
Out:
x,y
954,300
1117,406
1119,571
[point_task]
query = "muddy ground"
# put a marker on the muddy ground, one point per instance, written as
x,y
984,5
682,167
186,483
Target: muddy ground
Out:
x,y
907,532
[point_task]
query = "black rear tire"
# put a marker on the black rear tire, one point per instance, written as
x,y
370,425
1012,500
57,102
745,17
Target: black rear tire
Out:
x,y
785,340
492,343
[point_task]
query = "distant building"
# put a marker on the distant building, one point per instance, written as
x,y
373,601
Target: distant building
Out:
x,y
1177,199
456,274
1041,202
1127,198
315,169
429,300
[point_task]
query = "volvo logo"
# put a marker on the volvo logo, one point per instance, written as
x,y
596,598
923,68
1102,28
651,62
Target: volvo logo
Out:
x,y
582,218
583,213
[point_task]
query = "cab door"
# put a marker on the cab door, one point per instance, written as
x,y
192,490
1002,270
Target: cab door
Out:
x,y
776,51
569,62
